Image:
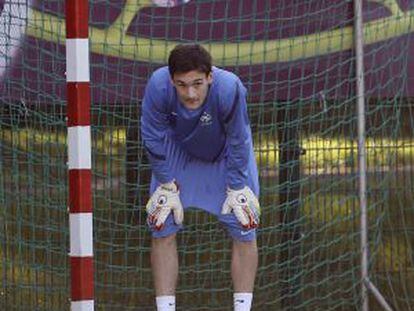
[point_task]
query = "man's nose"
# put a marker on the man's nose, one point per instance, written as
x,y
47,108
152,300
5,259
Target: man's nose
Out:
x,y
191,92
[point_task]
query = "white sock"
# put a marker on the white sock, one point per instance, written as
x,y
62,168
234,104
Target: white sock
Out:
x,y
165,303
242,301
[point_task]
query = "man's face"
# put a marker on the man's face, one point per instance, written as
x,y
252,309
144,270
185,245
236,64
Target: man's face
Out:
x,y
192,87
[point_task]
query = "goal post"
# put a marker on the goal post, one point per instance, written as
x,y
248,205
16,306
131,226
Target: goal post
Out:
x,y
79,156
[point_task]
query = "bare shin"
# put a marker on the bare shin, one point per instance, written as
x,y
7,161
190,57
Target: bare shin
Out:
x,y
164,262
244,265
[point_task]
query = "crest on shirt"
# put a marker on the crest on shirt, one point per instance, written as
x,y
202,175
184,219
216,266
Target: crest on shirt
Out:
x,y
206,119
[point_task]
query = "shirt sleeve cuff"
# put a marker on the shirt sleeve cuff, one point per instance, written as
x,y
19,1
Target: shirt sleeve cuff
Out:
x,y
236,185
164,179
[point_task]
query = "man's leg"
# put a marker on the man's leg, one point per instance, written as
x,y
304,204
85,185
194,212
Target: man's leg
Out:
x,y
164,262
244,265
243,270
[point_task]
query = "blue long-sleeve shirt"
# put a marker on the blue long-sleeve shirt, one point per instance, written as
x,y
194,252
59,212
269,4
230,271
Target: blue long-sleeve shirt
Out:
x,y
217,130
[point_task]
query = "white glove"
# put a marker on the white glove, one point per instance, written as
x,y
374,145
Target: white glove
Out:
x,y
245,205
165,199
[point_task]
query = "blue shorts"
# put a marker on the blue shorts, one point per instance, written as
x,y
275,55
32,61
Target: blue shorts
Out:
x,y
230,222
203,186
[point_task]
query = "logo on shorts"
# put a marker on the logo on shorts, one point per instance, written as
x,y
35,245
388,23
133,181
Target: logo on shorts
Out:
x,y
245,232
206,119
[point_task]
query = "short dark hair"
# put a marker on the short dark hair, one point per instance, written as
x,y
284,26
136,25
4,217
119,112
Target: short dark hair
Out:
x,y
188,57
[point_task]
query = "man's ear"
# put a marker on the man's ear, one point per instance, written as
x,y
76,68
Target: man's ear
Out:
x,y
210,77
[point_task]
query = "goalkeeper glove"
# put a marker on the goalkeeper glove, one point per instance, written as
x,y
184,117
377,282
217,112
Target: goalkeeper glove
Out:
x,y
164,200
244,204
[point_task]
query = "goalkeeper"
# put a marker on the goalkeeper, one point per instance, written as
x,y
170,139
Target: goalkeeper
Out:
x,y
197,135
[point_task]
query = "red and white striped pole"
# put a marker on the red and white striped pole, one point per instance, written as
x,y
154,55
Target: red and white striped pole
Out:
x,y
79,154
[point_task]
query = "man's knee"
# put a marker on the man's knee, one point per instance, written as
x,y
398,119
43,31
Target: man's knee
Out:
x,y
245,248
252,244
167,241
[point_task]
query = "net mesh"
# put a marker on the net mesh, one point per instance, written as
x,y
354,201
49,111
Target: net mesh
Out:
x,y
297,61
